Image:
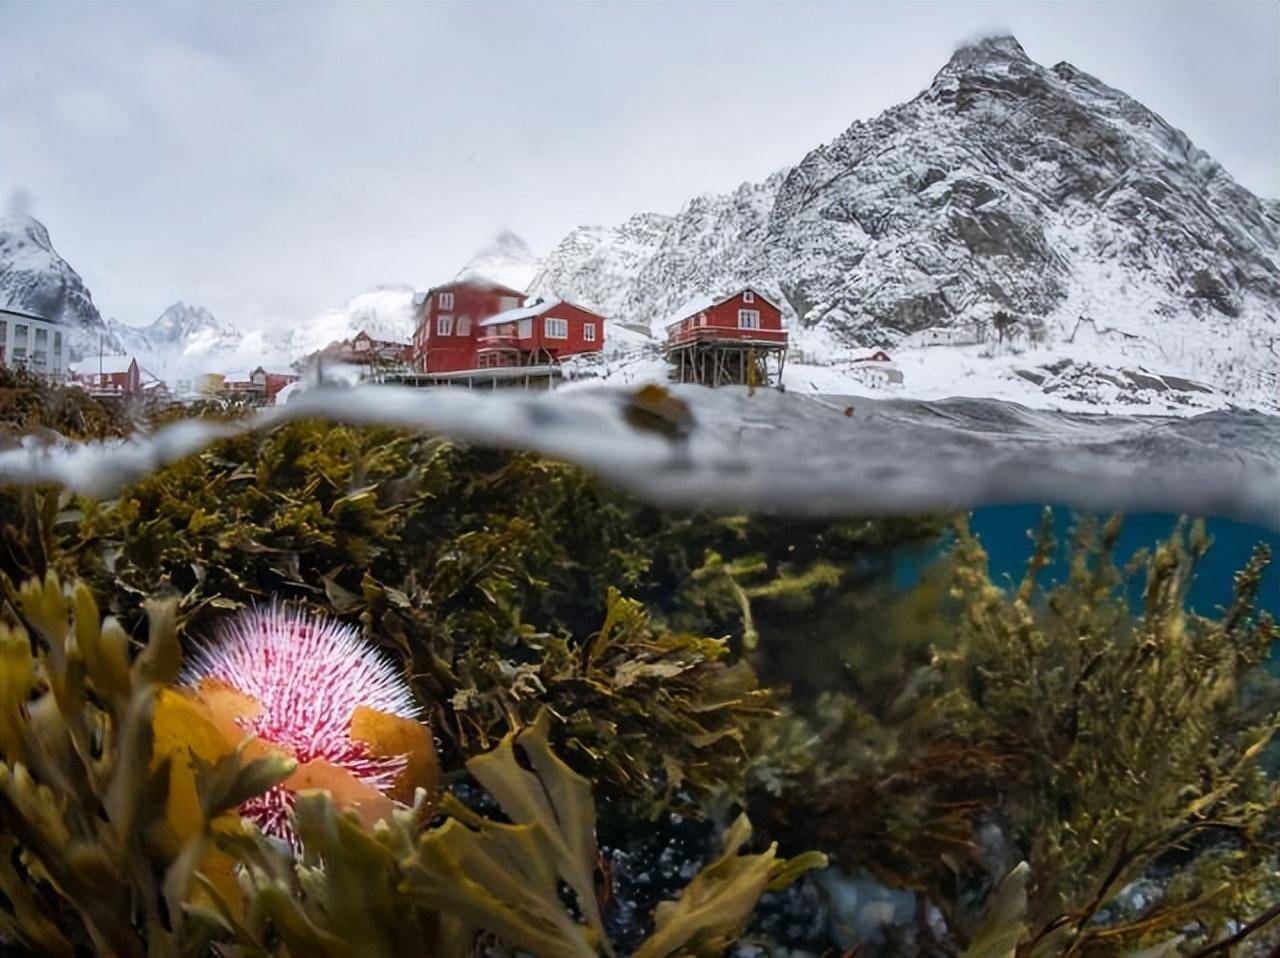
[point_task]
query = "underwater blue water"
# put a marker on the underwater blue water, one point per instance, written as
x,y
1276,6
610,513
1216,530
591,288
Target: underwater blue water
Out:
x,y
1007,535
1006,532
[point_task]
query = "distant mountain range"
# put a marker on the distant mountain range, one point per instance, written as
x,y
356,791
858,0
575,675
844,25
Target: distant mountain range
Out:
x,y
1128,269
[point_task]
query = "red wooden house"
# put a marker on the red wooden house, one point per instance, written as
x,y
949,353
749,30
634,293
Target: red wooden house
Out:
x,y
545,332
448,329
744,317
271,383
117,375
728,340
259,386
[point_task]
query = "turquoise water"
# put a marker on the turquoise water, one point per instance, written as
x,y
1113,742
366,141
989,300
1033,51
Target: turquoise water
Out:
x,y
1005,533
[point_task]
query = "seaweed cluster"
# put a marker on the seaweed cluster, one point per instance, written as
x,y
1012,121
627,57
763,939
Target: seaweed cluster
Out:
x,y
117,801
1026,768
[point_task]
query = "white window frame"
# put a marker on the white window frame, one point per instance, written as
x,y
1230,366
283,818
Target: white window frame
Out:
x,y
464,326
748,296
446,301
748,319
444,325
589,332
561,327
507,303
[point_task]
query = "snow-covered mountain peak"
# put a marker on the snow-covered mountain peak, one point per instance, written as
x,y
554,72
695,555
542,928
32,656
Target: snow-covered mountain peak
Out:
x,y
19,229
506,259
1004,186
987,54
180,322
35,279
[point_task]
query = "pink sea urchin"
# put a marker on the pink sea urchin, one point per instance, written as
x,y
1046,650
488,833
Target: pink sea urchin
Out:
x,y
307,676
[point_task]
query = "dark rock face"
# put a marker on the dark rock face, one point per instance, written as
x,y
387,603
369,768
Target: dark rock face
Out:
x,y
1004,185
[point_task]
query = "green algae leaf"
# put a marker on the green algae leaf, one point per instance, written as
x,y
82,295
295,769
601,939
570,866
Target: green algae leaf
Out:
x,y
499,880
714,908
552,796
1004,920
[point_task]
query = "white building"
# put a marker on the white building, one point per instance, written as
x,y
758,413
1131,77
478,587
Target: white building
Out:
x,y
38,345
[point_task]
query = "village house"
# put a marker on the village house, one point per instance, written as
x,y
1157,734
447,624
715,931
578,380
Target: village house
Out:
x,y
258,386
115,375
543,333
40,346
728,340
481,334
364,350
447,336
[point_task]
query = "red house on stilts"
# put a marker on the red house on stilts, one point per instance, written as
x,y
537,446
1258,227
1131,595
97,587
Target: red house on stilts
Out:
x,y
730,340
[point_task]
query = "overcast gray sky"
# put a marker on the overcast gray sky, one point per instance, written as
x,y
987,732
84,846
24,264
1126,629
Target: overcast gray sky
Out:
x,y
270,161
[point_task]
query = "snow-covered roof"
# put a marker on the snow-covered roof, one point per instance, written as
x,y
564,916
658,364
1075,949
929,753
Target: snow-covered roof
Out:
x,y
520,312
107,365
14,311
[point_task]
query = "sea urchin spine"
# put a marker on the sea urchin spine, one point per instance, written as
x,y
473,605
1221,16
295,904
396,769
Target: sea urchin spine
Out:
x,y
307,675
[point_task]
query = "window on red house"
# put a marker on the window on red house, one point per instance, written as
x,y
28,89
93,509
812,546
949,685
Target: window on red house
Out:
x,y
444,325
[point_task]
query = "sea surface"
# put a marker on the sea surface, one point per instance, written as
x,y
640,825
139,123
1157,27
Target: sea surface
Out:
x,y
689,447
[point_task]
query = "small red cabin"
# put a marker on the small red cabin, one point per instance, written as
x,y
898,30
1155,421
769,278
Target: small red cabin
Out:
x,y
545,332
744,317
119,375
448,328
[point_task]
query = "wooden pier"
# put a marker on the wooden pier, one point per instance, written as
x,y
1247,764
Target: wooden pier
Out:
x,y
710,362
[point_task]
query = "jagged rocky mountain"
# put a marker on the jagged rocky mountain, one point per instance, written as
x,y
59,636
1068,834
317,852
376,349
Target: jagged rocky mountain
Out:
x,y
1005,185
174,330
35,279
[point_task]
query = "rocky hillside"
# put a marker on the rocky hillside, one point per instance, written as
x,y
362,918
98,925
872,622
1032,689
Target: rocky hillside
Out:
x,y
1005,185
35,279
